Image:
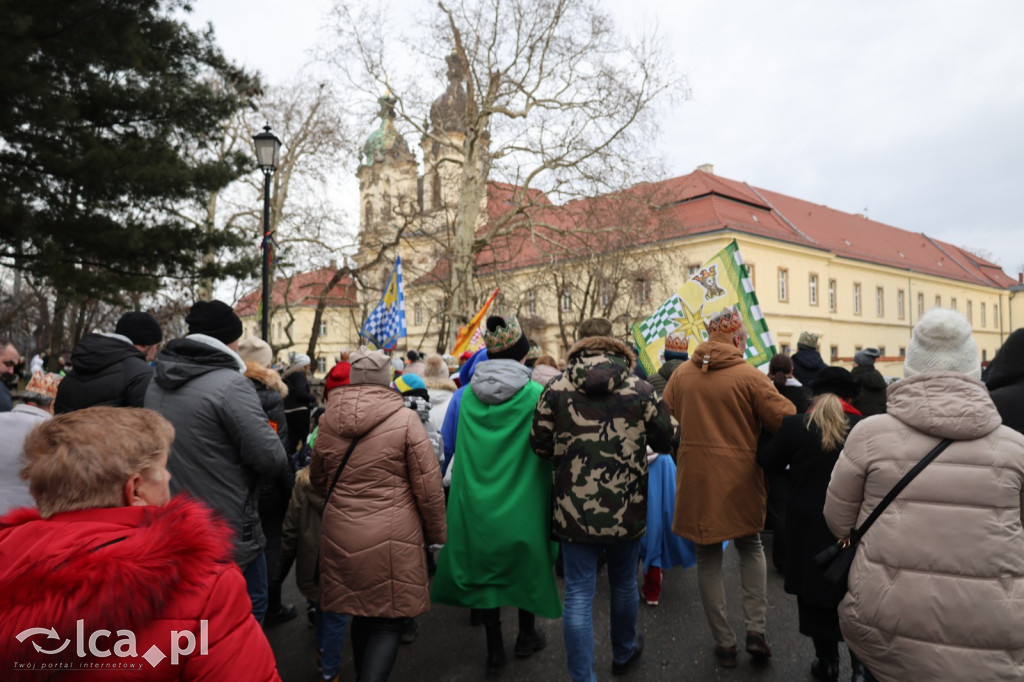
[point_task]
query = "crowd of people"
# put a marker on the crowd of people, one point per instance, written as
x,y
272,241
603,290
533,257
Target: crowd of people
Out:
x,y
164,492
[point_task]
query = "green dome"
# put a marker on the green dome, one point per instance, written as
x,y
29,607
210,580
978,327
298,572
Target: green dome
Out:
x,y
386,137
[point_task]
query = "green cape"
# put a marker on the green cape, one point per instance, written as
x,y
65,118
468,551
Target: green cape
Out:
x,y
499,550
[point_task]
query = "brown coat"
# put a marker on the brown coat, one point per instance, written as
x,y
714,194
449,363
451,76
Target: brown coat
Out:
x,y
721,407
936,590
387,505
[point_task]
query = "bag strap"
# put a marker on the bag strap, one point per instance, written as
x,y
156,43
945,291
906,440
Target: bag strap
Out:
x,y
857,533
344,461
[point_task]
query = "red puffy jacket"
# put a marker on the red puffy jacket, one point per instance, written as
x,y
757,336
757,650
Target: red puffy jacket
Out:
x,y
120,593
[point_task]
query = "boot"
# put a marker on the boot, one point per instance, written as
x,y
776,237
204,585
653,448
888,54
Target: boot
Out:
x,y
651,589
825,669
496,660
860,671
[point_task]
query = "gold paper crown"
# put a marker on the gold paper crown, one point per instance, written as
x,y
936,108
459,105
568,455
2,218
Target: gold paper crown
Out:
x,y
503,338
44,384
534,353
728,320
677,342
808,339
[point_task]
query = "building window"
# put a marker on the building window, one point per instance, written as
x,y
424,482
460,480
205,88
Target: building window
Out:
x,y
531,302
995,316
952,303
903,352
783,284
831,295
920,305
982,313
970,312
323,328
641,291
417,314
881,351
880,301
321,365
812,289
938,301
785,349
856,298
901,307
566,300
833,352
750,273
984,355
692,270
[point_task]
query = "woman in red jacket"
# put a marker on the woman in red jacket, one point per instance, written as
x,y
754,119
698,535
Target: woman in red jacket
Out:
x,y
110,579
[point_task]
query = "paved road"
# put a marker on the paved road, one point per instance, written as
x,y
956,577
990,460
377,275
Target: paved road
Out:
x,y
678,642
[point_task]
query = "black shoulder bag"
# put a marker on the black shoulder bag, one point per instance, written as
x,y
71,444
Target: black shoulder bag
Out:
x,y
327,498
836,559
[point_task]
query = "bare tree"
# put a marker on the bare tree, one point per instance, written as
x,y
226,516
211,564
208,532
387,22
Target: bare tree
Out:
x,y
543,94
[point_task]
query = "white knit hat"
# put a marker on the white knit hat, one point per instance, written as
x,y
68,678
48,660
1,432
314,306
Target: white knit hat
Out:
x,y
942,340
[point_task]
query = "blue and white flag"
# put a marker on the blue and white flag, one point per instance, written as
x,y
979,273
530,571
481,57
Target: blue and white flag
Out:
x,y
386,324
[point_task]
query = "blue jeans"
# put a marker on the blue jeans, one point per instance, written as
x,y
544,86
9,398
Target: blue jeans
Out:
x,y
330,640
580,585
256,585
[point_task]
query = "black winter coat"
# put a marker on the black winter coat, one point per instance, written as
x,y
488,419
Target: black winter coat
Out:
x,y
1005,379
660,378
807,363
798,444
871,399
107,371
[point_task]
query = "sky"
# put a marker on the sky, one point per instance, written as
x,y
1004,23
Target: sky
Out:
x,y
911,112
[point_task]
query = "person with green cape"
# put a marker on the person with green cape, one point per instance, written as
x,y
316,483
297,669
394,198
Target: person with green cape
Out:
x,y
499,550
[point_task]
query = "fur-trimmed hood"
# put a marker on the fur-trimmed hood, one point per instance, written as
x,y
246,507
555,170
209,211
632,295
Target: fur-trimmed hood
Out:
x,y
602,345
599,364
267,377
115,569
438,384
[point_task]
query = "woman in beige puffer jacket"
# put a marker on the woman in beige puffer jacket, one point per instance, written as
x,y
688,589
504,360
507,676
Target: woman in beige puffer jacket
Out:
x,y
936,589
386,506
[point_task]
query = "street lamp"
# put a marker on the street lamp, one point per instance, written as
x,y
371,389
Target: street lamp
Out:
x,y
267,146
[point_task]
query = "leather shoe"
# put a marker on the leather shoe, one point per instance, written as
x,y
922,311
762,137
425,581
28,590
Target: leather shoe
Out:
x,y
726,656
825,669
638,648
757,646
527,646
282,615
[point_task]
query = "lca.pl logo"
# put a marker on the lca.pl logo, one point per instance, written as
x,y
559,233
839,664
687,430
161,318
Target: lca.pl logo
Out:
x,y
98,646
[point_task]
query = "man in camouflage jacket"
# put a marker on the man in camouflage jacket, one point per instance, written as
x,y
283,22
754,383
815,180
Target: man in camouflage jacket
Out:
x,y
595,422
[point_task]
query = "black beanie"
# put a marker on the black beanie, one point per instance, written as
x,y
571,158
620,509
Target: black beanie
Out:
x,y
505,340
216,319
142,328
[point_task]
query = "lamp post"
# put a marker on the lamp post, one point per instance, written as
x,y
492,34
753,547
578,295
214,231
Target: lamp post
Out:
x,y
267,146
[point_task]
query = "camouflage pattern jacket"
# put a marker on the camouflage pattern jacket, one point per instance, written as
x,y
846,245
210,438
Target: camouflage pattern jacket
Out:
x,y
595,422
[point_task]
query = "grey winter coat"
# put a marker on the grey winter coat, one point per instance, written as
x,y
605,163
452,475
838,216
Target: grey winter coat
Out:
x,y
223,442
936,589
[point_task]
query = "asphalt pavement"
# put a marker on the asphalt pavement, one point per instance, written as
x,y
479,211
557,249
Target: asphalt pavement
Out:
x,y
678,642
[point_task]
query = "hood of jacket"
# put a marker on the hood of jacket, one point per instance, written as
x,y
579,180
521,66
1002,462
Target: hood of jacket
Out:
x,y
869,378
362,407
469,367
1007,367
599,364
944,404
185,359
96,352
439,384
83,564
718,352
496,381
267,377
670,366
808,358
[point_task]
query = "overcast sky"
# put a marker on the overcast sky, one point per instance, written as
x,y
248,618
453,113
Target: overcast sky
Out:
x,y
910,112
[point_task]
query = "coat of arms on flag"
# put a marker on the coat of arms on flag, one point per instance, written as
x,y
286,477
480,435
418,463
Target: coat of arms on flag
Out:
x,y
386,323
722,281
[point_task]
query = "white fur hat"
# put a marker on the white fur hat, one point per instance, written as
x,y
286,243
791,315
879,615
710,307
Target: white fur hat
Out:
x,y
942,340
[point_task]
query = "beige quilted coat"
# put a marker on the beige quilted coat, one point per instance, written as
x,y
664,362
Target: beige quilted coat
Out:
x,y
387,505
937,584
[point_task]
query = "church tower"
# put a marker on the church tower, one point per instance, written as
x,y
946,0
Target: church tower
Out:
x,y
442,147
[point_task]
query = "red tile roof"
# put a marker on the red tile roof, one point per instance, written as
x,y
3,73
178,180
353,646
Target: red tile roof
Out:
x,y
701,203
304,290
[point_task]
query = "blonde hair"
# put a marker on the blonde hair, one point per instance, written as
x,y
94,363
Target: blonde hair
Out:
x,y
827,414
82,459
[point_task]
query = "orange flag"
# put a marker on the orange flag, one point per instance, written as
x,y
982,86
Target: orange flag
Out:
x,y
471,336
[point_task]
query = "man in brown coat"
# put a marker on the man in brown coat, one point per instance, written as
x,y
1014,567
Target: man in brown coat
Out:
x,y
721,403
